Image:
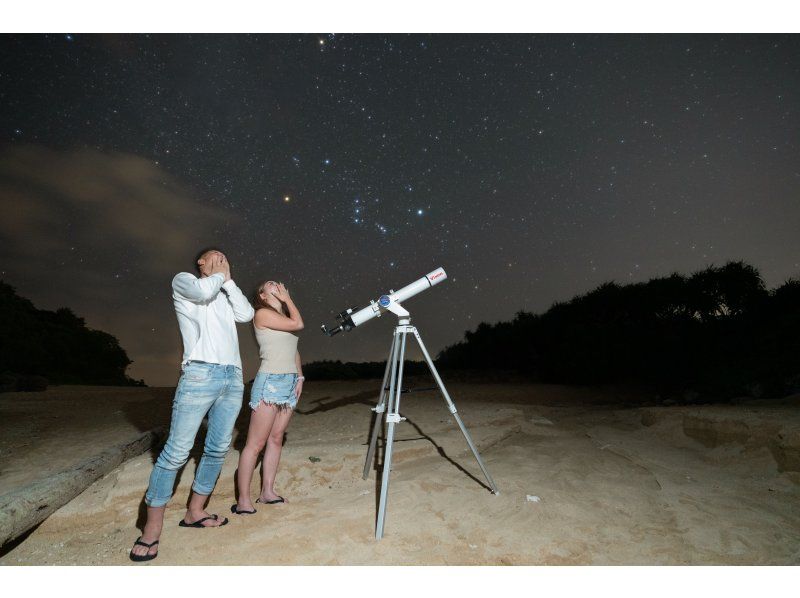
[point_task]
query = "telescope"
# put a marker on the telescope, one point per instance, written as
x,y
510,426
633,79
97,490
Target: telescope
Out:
x,y
388,408
353,316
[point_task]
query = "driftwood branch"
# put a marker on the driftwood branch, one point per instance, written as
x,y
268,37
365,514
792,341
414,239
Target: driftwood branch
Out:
x,y
26,507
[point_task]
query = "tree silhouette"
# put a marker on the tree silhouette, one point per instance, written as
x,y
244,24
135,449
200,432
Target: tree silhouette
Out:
x,y
56,345
718,333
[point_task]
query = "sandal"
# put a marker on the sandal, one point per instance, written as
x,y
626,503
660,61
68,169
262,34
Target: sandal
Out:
x,y
236,511
143,557
199,522
270,502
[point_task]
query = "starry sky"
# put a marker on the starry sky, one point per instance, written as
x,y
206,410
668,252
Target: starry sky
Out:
x,y
531,167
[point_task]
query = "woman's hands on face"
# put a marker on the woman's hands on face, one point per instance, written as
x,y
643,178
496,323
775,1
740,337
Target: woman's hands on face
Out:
x,y
281,293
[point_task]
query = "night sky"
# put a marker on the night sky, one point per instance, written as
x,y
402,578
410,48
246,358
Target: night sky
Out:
x,y
531,167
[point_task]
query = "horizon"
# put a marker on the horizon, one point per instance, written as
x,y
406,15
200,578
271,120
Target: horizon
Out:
x,y
414,356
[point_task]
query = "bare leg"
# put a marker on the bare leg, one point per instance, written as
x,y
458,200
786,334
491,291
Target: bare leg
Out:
x,y
261,421
197,510
273,453
151,531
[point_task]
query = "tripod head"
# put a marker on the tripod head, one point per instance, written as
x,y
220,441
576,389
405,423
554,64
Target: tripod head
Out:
x,y
352,316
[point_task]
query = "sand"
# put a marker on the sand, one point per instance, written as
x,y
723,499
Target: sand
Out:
x,y
42,433
583,478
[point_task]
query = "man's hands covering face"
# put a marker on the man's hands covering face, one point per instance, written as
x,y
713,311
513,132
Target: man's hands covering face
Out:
x,y
219,263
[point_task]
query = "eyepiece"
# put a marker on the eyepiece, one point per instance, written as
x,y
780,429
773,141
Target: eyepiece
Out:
x,y
332,331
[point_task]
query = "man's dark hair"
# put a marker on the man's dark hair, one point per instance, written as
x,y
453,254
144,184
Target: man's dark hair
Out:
x,y
204,251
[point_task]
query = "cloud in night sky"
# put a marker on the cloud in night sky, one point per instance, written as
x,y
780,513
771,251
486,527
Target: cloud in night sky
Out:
x,y
132,224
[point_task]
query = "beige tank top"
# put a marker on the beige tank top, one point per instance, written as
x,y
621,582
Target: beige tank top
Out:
x,y
277,350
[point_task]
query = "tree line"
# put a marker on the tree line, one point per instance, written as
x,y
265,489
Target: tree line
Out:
x,y
39,346
716,333
353,370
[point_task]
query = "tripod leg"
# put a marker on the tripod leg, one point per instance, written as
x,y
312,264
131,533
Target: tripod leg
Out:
x,y
380,408
392,418
454,411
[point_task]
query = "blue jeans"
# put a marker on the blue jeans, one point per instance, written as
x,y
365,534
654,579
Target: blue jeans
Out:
x,y
204,388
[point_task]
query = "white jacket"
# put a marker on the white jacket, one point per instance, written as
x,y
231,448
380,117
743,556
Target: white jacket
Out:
x,y
208,309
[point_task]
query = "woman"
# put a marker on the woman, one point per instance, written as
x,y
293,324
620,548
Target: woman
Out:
x,y
275,391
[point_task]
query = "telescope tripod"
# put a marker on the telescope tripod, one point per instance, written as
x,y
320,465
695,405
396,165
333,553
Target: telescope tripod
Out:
x,y
389,403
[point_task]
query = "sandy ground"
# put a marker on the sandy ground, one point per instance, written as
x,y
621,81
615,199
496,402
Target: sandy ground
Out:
x,y
616,484
42,433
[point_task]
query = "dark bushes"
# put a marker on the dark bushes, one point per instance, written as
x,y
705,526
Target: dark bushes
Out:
x,y
718,332
336,370
37,346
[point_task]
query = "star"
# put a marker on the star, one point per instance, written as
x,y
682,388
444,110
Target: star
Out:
x,y
646,161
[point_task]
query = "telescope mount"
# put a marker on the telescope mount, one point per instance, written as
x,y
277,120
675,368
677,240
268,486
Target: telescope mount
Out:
x,y
389,404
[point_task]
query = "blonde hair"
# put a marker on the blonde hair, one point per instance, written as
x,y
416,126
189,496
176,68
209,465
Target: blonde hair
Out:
x,y
259,301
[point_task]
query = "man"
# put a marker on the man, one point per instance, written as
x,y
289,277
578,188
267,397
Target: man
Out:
x,y
208,309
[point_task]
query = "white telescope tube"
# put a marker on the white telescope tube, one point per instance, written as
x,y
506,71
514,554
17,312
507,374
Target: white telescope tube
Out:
x,y
376,308
418,286
415,288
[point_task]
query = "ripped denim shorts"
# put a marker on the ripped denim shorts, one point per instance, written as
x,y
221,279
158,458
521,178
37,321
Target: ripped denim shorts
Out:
x,y
276,389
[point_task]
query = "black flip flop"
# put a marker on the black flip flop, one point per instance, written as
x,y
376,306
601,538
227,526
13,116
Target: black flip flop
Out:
x,y
199,522
271,502
236,511
143,557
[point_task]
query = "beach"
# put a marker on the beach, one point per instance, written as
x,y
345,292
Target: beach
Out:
x,y
586,476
